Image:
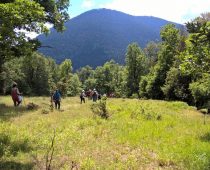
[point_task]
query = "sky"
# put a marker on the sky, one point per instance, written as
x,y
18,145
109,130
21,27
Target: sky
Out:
x,y
179,11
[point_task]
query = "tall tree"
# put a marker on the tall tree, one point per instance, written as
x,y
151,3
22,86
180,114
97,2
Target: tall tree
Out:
x,y
18,16
65,75
196,59
135,60
84,73
166,57
36,74
151,52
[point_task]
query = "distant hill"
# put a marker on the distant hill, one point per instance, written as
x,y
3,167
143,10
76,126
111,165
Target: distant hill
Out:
x,y
97,36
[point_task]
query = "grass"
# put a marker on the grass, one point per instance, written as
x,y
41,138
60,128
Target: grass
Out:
x,y
139,134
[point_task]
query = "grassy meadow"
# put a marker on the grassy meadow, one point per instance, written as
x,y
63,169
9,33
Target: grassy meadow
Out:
x,y
139,134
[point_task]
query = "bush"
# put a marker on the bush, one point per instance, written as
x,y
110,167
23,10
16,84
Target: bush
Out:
x,y
176,86
100,109
201,91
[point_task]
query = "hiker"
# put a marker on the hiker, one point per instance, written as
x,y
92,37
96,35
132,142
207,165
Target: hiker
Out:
x,y
82,96
95,95
57,99
89,94
16,95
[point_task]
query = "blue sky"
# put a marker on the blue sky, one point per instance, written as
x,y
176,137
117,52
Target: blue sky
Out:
x,y
179,11
79,6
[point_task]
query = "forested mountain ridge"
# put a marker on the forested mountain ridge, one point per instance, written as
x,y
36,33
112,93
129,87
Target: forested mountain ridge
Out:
x,y
97,36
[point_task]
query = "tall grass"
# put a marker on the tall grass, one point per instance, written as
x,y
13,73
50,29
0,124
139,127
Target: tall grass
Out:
x,y
139,134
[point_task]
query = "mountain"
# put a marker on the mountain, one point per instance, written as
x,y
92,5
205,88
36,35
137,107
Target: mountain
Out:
x,y
99,35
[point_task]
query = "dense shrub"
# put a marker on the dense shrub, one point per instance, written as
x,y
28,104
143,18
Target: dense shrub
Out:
x,y
100,109
201,91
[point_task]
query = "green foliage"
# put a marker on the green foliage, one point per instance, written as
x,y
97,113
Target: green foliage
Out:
x,y
100,108
135,61
89,83
10,146
166,57
140,113
65,68
74,86
108,77
201,91
11,73
197,55
195,60
151,52
36,74
177,86
84,73
69,83
19,16
143,93
177,141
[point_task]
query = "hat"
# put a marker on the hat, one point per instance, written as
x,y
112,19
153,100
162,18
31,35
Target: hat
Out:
x,y
14,84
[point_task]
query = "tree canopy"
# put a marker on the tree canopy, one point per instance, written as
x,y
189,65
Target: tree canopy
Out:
x,y
20,16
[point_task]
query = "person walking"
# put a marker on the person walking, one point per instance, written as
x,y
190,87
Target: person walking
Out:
x,y
95,95
57,99
16,95
82,96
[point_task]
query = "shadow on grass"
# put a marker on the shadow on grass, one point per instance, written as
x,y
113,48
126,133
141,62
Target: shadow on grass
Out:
x,y
13,147
12,165
206,137
7,112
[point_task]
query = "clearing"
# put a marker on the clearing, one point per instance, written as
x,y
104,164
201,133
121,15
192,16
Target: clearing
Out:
x,y
139,134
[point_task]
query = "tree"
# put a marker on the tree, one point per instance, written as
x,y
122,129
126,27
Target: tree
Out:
x,y
135,60
151,52
166,57
108,77
104,77
36,74
196,58
84,73
201,91
89,83
74,86
12,73
177,86
18,16
65,75
65,68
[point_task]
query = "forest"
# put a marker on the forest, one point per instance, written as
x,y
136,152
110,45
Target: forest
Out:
x,y
156,119
177,68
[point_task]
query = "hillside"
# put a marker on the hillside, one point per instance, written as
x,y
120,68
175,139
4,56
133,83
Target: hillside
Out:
x,y
100,35
139,134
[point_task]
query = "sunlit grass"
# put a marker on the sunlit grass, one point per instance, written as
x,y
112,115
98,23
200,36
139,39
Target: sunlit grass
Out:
x,y
139,134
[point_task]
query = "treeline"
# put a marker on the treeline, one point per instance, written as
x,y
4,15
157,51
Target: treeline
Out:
x,y
178,68
38,75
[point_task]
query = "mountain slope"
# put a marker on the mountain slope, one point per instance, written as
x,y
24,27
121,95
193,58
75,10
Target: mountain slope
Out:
x,y
96,36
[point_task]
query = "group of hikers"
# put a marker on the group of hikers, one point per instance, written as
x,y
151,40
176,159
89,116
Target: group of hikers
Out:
x,y
91,94
55,96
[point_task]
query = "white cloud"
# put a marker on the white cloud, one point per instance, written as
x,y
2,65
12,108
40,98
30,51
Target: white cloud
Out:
x,y
33,35
88,4
173,10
